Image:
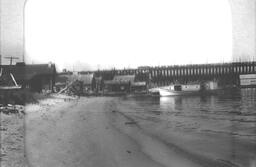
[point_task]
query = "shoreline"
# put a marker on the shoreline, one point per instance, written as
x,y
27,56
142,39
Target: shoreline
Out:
x,y
101,131
84,135
13,130
12,140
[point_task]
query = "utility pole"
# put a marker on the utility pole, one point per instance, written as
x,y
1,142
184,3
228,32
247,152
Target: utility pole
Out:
x,y
11,58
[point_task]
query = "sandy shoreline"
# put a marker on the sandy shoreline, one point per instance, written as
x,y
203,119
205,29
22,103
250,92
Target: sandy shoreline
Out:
x,y
80,136
99,132
12,131
12,140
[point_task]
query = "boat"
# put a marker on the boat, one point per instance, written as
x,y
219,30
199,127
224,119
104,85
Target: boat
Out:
x,y
179,89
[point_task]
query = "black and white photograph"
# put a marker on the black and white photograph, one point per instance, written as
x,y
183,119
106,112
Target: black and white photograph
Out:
x,y
128,83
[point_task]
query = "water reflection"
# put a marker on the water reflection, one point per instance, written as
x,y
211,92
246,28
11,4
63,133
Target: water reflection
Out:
x,y
222,126
229,112
235,107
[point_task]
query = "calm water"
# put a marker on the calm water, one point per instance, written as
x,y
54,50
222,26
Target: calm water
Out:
x,y
222,126
238,108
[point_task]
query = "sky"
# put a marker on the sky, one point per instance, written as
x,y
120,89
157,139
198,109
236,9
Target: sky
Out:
x,y
87,35
11,29
244,29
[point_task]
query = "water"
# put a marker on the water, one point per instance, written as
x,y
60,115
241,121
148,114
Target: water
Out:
x,y
221,127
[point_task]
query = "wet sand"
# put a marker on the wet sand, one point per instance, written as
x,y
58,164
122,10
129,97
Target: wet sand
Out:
x,y
97,132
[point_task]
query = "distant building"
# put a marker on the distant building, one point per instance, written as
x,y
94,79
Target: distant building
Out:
x,y
144,67
98,84
62,79
248,80
119,84
87,81
139,87
36,77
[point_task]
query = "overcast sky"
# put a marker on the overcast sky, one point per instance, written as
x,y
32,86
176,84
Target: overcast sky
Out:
x,y
11,29
117,33
121,33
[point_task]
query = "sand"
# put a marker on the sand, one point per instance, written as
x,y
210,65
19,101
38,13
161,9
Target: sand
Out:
x,y
81,133
78,133
12,131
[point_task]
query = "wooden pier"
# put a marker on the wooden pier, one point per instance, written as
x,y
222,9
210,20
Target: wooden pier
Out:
x,y
224,73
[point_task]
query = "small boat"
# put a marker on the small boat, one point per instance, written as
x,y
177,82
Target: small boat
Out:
x,y
179,89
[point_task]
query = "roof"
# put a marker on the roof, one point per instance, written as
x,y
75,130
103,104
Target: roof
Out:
x,y
27,72
85,78
65,77
121,79
139,84
247,76
124,78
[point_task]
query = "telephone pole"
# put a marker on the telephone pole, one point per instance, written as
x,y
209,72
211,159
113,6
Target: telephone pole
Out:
x,y
11,58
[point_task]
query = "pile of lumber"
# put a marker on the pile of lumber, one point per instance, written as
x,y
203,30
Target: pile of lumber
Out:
x,y
74,88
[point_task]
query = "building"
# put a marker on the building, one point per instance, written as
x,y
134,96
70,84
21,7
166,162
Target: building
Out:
x,y
248,80
87,80
62,80
139,87
36,77
119,85
98,84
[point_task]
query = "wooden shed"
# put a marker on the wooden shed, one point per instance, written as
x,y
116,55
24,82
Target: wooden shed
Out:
x,y
36,77
119,84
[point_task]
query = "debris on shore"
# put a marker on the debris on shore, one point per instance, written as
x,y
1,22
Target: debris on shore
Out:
x,y
73,88
12,127
12,109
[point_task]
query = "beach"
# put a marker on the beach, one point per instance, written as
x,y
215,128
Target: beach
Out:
x,y
97,131
81,133
12,137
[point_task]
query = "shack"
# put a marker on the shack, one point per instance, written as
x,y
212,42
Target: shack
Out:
x,y
36,77
247,80
87,81
119,85
98,86
139,87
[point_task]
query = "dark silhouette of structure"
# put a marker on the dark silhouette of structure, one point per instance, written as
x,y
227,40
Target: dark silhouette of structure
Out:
x,y
224,73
